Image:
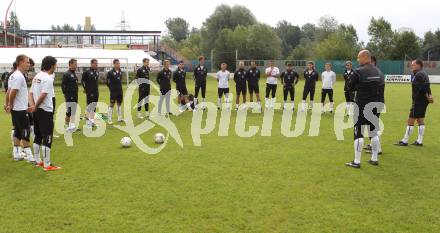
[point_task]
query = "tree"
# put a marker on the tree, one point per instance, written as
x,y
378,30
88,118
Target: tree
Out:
x,y
406,45
382,35
326,26
308,31
263,43
304,51
178,28
13,22
431,45
224,17
290,36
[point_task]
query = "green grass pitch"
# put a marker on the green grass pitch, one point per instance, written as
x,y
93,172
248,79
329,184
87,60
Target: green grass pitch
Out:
x,y
229,184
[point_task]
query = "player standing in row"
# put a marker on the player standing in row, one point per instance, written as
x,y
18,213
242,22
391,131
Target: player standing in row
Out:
x,y
421,98
311,76
272,74
223,85
5,79
164,81
289,79
143,80
18,105
41,101
200,74
8,90
328,80
240,85
179,78
253,78
366,81
114,83
349,95
69,86
89,82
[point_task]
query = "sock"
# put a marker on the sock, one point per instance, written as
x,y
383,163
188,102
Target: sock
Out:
x,y
46,155
110,113
219,102
17,152
379,146
195,102
37,153
331,105
408,132
311,103
28,152
236,105
358,144
119,112
375,147
421,132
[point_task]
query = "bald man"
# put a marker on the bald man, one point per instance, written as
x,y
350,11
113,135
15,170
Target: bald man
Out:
x,y
366,81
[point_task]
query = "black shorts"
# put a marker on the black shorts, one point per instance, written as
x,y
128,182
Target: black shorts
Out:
x,y
43,122
222,91
363,121
92,98
241,89
20,121
418,109
117,96
71,104
253,87
182,90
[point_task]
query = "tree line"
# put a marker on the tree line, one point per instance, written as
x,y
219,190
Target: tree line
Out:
x,y
231,28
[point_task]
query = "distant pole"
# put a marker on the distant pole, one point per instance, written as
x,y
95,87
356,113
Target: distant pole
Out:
x,y
212,60
5,26
236,55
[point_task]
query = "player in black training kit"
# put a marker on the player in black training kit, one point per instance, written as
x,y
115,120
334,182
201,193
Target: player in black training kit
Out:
x,y
89,82
240,85
143,79
311,76
421,98
366,81
349,95
164,81
114,83
179,78
200,74
69,86
289,79
253,78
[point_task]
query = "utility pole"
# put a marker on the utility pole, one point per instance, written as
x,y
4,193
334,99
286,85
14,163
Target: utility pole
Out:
x,y
212,60
5,26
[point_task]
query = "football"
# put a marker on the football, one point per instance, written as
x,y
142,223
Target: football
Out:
x,y
159,138
125,142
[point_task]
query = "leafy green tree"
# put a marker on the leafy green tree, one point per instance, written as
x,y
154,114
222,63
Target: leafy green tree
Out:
x,y
290,36
382,36
178,28
406,46
431,45
263,43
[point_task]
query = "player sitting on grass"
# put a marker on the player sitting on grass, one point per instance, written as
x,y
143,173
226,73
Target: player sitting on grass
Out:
x,y
421,98
114,83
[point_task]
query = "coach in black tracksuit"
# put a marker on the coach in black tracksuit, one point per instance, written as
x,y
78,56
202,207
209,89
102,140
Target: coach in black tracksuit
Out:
x,y
143,78
253,78
349,95
179,78
69,86
200,74
89,81
311,77
289,79
366,81
114,83
240,83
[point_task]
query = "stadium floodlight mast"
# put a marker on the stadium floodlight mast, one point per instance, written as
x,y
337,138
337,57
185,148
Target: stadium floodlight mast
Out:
x,y
5,26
